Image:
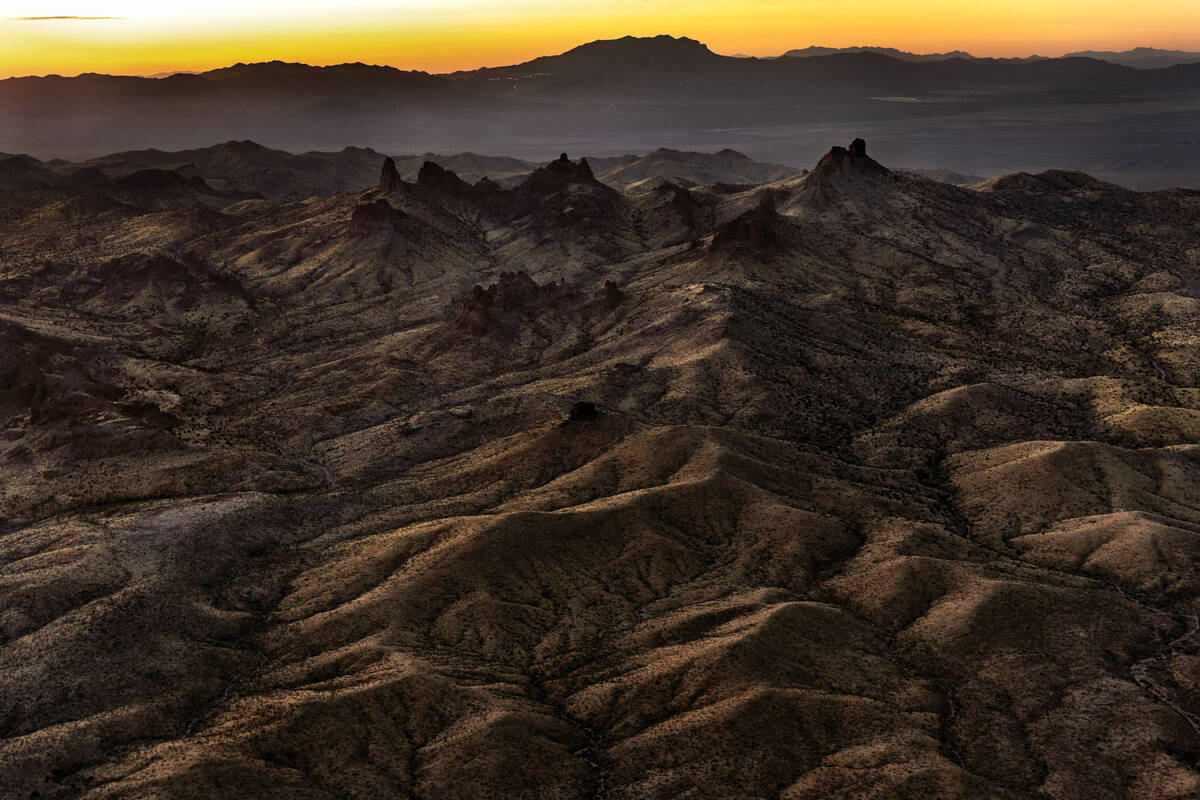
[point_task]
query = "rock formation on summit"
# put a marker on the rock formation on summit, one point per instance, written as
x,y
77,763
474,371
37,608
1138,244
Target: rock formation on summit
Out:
x,y
840,172
557,175
389,178
435,177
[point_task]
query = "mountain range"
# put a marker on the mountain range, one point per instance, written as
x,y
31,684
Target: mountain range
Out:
x,y
248,168
843,483
975,116
1138,57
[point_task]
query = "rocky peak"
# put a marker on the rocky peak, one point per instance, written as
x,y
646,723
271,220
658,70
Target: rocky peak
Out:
x,y
839,169
439,179
847,159
575,173
559,173
389,178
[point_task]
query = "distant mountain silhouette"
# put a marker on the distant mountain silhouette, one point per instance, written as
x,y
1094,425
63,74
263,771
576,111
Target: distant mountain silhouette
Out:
x,y
815,50
1141,57
1138,57
675,70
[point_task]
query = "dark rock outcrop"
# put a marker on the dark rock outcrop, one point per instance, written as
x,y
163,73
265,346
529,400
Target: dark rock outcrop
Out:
x,y
612,294
755,228
513,292
437,178
848,160
472,315
838,171
579,173
376,217
389,178
555,176
582,411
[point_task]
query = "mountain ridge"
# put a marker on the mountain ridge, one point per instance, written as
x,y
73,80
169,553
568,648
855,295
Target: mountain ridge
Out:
x,y
635,94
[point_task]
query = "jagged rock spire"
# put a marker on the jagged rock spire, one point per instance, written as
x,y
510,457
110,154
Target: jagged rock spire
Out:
x,y
389,178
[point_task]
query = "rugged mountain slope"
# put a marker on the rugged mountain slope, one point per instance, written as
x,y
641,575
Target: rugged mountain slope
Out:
x,y
849,485
248,168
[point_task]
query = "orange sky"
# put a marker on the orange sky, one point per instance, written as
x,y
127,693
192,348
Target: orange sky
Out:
x,y
150,36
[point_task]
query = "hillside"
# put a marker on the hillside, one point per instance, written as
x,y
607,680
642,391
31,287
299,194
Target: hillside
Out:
x,y
852,484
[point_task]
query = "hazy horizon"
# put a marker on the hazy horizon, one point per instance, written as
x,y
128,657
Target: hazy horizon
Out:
x,y
133,37
734,54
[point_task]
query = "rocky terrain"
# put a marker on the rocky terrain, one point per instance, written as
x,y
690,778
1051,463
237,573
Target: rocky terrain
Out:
x,y
843,484
248,168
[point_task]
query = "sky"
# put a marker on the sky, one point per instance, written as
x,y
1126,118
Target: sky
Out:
x,y
145,37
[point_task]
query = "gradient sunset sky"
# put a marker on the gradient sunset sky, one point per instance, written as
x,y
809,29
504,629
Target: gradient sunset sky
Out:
x,y
38,37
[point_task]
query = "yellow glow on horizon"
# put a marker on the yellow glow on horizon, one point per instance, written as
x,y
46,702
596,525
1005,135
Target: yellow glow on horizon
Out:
x,y
150,37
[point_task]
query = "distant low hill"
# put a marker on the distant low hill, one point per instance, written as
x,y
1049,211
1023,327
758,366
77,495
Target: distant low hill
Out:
x,y
1138,57
814,50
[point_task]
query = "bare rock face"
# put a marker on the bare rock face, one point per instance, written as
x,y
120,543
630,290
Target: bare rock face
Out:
x,y
374,218
514,292
578,173
755,229
472,314
555,176
582,411
439,179
612,294
389,179
843,172
847,161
